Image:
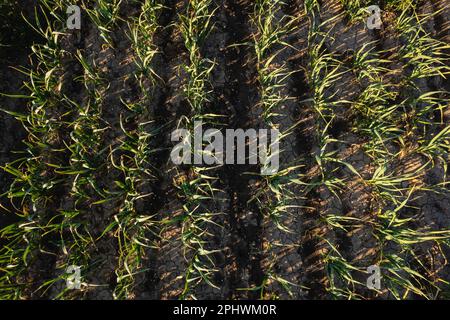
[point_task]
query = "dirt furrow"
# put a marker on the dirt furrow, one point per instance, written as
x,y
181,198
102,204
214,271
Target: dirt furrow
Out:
x,y
167,275
239,98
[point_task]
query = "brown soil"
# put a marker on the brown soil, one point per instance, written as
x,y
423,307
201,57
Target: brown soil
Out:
x,y
250,245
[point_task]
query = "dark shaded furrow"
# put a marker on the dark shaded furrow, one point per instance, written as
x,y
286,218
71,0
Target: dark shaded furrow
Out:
x,y
239,99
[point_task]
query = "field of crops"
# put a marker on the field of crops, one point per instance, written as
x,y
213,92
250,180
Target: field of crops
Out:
x,y
86,179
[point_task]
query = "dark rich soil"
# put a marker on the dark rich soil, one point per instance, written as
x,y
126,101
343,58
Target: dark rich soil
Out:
x,y
249,247
18,38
